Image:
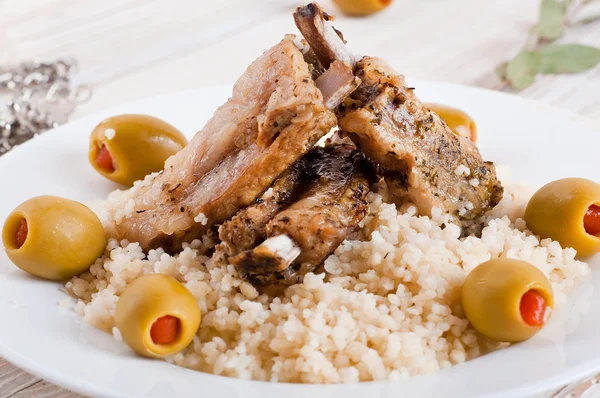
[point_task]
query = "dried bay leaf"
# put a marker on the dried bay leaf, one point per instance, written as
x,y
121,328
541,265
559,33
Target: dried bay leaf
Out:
x,y
552,20
522,70
540,53
568,58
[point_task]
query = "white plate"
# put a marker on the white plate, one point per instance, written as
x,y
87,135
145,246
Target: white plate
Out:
x,y
539,142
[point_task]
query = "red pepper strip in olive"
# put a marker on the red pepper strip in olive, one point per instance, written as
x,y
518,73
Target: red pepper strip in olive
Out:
x,y
104,159
22,232
164,330
533,308
591,221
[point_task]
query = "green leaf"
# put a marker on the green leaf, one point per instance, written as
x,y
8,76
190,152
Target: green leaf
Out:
x,y
522,70
501,71
568,58
552,20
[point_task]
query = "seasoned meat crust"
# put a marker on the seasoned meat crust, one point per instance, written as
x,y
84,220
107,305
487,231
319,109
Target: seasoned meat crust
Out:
x,y
274,116
319,202
419,156
421,159
248,227
330,208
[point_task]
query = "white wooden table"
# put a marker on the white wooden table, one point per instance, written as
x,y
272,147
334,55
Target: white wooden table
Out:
x,y
130,49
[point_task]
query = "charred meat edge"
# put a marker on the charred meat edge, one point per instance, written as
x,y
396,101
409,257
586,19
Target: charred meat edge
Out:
x,y
302,235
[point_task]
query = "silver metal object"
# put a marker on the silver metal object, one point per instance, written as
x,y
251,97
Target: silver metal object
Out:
x,y
36,96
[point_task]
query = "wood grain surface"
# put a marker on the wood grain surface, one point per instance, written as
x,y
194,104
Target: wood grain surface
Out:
x,y
131,49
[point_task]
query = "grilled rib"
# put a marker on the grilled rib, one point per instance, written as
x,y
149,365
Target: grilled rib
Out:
x,y
248,227
330,205
274,116
422,160
419,156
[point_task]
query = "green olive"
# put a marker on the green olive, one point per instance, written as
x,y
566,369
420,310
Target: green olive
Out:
x,y
361,8
127,148
459,122
557,212
495,298
144,303
53,238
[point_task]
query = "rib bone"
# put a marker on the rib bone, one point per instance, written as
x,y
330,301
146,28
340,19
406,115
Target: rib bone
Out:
x,y
325,41
272,257
337,83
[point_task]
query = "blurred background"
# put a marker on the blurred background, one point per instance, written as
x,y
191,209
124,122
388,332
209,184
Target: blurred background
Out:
x,y
130,49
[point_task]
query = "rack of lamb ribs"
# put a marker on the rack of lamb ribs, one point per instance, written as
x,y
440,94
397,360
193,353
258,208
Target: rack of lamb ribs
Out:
x,y
275,115
420,158
283,204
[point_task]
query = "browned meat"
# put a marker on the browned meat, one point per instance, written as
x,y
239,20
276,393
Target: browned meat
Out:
x,y
422,159
330,209
419,156
300,237
248,227
274,116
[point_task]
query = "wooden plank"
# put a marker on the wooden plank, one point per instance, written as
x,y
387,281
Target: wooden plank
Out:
x,y
456,56
13,379
114,37
43,389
